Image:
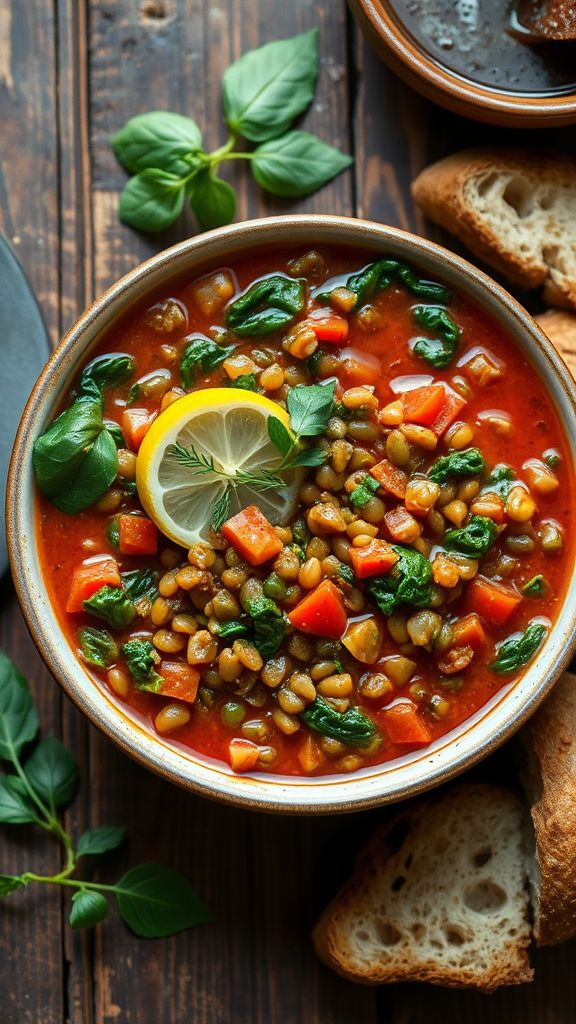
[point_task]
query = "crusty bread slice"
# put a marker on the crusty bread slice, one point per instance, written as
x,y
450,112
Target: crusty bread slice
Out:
x,y
514,209
560,326
439,896
550,740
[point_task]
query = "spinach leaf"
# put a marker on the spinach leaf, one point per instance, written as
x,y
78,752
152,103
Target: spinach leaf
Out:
x,y
310,407
353,727
519,648
365,490
232,630
113,605
267,88
439,351
409,582
474,539
140,584
346,573
152,200
106,371
296,164
422,288
97,646
467,462
245,382
212,200
500,481
536,587
269,625
115,433
158,139
201,355
75,460
141,657
379,275
267,305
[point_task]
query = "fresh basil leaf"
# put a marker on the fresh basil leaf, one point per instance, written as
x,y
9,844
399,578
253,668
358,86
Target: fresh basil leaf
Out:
x,y
141,657
467,462
352,727
157,139
267,305
267,88
15,805
140,584
213,201
310,407
52,773
115,433
100,840
296,164
107,371
88,908
97,471
536,587
309,457
152,200
518,649
409,582
435,351
9,883
474,539
201,355
97,646
113,605
18,718
279,435
156,901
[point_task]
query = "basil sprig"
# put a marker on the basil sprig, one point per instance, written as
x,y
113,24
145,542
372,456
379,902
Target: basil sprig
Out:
x,y
153,900
262,93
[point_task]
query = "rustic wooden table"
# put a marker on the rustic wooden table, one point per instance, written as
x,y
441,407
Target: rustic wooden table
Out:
x,y
71,72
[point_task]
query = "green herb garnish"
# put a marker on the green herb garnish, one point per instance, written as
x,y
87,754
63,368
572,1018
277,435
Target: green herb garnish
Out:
x,y
201,355
536,587
245,382
438,351
474,539
268,623
141,658
113,605
468,462
366,283
409,582
518,649
266,306
500,481
352,727
365,490
97,646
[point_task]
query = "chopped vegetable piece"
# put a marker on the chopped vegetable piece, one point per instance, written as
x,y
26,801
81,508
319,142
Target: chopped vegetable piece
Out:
x,y
409,582
352,727
453,405
246,382
97,646
536,587
201,355
468,632
113,605
362,493
404,725
423,405
137,535
232,630
465,463
243,754
135,426
376,557
269,626
364,640
252,536
140,584
474,539
141,658
89,577
266,305
492,600
321,612
517,650
179,681
391,478
332,329
401,525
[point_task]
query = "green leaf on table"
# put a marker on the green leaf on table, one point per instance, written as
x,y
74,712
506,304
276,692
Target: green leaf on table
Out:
x,y
18,717
156,901
52,773
9,883
310,407
15,805
157,139
201,355
88,908
152,200
296,164
267,305
100,840
267,88
213,201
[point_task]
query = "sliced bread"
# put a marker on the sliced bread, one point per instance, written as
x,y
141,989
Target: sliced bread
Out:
x,y
550,740
438,895
514,209
560,326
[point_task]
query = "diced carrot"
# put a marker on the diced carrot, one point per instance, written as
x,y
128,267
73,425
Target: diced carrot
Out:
x,y
252,536
403,724
401,525
321,612
135,425
358,367
89,577
180,680
468,632
243,754
332,328
492,600
137,535
376,558
453,404
389,477
423,405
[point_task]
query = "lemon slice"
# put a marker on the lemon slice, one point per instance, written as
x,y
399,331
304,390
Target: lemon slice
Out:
x,y
229,426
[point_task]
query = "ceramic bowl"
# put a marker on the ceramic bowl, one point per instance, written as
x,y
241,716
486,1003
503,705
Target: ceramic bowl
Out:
x,y
410,61
418,771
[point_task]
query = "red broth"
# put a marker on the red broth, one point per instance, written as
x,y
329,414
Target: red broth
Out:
x,y
513,421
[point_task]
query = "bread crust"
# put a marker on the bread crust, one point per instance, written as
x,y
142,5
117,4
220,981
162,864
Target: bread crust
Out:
x,y
440,192
560,327
371,861
550,737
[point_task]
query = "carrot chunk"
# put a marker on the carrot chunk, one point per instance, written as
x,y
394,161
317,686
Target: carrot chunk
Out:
x,y
389,477
404,725
453,404
376,558
135,425
423,405
332,329
243,754
137,535
321,612
180,681
252,536
401,525
89,577
468,632
493,601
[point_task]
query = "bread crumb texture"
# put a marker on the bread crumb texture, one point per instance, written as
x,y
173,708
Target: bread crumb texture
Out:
x,y
439,895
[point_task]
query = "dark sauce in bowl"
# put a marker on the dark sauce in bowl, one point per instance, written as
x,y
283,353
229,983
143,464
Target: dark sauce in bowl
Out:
x,y
481,41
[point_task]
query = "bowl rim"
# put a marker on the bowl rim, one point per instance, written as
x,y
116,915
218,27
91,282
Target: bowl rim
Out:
x,y
461,94
286,794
